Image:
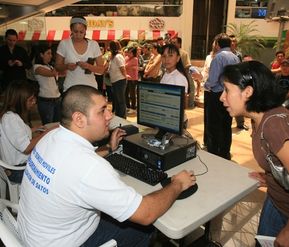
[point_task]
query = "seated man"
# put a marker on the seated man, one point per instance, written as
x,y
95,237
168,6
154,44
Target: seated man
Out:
x,y
66,184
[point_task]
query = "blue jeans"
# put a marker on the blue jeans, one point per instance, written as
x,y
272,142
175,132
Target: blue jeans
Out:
x,y
49,111
126,234
118,94
271,220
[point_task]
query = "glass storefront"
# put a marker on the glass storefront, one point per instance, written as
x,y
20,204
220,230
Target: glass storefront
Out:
x,y
256,9
121,8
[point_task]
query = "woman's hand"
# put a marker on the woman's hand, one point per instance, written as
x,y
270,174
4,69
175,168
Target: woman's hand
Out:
x,y
259,176
83,65
282,240
71,66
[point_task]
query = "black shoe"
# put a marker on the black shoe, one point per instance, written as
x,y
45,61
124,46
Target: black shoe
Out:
x,y
243,127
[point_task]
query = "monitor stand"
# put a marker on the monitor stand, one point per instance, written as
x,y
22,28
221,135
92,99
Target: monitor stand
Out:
x,y
160,135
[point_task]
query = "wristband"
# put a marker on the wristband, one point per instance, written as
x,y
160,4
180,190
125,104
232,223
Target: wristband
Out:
x,y
110,151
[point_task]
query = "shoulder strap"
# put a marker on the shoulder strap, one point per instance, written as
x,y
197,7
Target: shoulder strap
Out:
x,y
266,146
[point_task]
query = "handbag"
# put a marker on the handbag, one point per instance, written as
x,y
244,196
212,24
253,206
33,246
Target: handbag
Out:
x,y
279,172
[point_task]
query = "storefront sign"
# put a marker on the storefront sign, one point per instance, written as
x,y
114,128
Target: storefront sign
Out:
x,y
157,23
100,23
35,24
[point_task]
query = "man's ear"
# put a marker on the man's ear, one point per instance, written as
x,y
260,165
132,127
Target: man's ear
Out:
x,y
79,119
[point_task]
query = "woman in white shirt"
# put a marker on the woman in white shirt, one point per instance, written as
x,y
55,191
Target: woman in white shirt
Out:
x,y
174,69
79,56
175,73
49,96
117,74
16,141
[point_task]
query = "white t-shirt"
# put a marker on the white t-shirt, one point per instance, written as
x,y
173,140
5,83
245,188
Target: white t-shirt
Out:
x,y
65,187
114,68
206,68
77,76
175,78
15,137
47,85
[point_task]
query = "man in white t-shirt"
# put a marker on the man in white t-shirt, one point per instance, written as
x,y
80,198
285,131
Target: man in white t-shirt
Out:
x,y
67,185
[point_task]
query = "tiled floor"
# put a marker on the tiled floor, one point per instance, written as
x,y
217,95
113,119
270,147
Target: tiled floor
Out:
x,y
240,222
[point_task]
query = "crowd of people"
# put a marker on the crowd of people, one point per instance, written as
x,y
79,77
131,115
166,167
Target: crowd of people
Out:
x,y
72,198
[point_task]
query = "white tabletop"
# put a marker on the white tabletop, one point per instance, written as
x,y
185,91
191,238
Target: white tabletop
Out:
x,y
222,186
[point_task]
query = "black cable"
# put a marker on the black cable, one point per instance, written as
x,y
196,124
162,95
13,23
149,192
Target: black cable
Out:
x,y
206,167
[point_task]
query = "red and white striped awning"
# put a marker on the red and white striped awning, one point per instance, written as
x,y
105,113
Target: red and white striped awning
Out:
x,y
52,35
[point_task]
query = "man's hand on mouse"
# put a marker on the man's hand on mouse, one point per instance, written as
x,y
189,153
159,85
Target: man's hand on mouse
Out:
x,y
185,178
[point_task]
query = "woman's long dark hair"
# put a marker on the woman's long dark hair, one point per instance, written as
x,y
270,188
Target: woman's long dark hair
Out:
x,y
15,98
179,66
114,47
41,50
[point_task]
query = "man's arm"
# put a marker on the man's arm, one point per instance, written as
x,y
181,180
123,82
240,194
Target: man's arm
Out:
x,y
157,203
213,74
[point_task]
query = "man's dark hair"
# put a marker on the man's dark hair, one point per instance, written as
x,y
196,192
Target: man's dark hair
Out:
x,y
279,52
179,40
11,32
267,94
223,40
76,99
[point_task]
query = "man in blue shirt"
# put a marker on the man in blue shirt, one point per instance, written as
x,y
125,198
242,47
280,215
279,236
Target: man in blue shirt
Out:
x,y
218,121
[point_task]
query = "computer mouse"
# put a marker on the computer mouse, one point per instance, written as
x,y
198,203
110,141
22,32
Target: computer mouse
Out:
x,y
186,193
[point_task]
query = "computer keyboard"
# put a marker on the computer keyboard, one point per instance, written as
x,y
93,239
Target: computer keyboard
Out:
x,y
136,169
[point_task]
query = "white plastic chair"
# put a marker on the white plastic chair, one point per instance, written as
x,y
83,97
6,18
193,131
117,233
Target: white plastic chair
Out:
x,y
14,188
8,225
110,243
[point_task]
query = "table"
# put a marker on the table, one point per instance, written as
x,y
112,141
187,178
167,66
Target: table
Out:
x,y
222,186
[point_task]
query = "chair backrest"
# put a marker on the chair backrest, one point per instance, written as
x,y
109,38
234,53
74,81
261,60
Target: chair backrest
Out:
x,y
8,225
13,187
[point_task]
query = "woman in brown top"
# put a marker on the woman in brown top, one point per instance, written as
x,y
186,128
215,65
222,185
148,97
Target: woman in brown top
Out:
x,y
251,91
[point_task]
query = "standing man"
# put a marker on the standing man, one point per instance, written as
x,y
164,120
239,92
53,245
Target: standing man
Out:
x,y
66,184
218,121
177,41
234,43
14,60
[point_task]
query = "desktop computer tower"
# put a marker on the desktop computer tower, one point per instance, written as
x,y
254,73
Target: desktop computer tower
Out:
x,y
178,150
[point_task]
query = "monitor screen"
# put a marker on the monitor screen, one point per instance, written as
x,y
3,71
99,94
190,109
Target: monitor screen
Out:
x,y
161,106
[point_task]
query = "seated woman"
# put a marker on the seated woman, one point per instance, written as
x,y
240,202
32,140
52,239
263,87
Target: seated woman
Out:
x,y
16,141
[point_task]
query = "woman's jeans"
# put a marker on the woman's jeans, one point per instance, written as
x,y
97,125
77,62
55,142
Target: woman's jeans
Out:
x,y
118,94
271,220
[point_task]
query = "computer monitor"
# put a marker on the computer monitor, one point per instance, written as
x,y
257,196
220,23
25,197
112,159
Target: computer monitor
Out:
x,y
161,106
